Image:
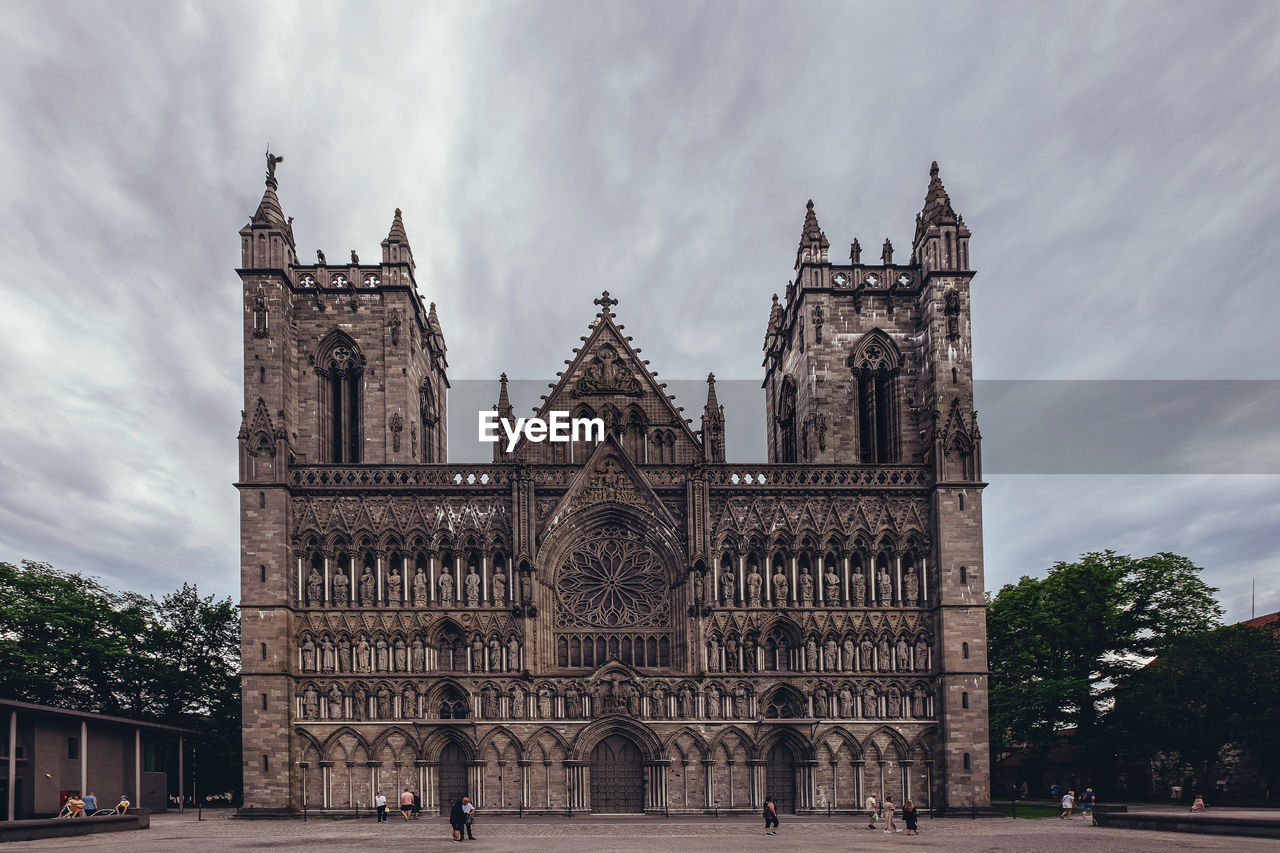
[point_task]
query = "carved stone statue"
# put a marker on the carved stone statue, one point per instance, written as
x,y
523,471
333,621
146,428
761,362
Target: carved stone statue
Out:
x,y
922,654
572,703
754,582
359,703
315,588
499,589
513,655
526,588
918,702
477,654
309,655
363,653
894,703
731,654
355,259
393,587
780,589
886,588
728,585
344,655
418,656
713,702
820,702
883,656
713,655
446,586
420,589
341,588
697,587
328,655
912,583
849,653
748,655
517,702
320,257
846,702
633,699
366,588
829,655
272,160
401,656
310,704
806,589
904,655
687,710
473,588
335,702
869,704
811,655
384,703
832,591
384,656
657,702
866,656
544,703
495,655
741,703
408,704
859,589
489,703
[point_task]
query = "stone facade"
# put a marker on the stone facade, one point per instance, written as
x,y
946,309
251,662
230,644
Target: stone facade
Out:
x,y
628,624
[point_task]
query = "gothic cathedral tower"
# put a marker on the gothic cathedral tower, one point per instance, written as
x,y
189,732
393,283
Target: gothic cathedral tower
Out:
x,y
870,363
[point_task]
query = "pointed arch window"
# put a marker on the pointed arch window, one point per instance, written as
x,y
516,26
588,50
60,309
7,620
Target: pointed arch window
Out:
x,y
876,364
341,369
786,420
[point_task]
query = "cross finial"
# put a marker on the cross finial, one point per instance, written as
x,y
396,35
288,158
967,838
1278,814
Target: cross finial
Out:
x,y
605,301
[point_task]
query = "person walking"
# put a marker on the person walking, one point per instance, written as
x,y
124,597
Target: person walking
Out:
x,y
1068,803
406,804
457,820
1053,791
1086,803
889,825
90,804
380,803
417,805
911,818
469,809
872,811
770,816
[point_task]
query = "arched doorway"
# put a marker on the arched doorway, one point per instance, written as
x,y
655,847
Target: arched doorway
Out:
x,y
451,777
617,777
780,778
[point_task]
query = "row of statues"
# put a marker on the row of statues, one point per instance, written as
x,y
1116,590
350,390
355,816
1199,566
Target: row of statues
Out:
x,y
607,697
781,589
397,655
365,593
735,656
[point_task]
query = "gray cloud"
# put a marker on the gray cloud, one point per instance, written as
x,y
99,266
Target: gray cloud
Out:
x,y
1115,164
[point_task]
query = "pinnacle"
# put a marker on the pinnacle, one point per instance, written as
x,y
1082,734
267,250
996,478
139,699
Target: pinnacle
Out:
x,y
812,232
397,233
937,204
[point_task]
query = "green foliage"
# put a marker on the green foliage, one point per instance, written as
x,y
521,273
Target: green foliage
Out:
x,y
1058,644
1205,691
68,641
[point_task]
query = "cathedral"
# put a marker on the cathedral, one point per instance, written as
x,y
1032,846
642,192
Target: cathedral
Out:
x,y
625,622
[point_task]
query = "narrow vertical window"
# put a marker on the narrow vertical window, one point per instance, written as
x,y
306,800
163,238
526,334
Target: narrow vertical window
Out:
x,y
964,700
262,500
964,650
264,701
966,761
264,651
262,375
262,572
961,496
340,369
266,764
964,576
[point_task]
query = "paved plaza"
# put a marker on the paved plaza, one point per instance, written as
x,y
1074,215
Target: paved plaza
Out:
x,y
179,833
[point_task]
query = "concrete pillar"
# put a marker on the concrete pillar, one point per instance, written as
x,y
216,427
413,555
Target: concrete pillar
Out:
x,y
13,762
84,758
137,767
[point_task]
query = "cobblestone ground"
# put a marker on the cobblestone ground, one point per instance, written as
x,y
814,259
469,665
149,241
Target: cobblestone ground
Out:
x,y
218,834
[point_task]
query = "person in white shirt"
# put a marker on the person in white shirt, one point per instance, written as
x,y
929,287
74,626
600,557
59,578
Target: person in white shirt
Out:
x,y
1068,803
380,802
468,809
872,811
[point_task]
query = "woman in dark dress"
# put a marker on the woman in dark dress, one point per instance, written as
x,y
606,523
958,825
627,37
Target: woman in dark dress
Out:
x,y
457,820
912,817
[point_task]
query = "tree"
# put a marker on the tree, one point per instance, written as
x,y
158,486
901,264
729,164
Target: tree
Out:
x,y
1205,691
1057,644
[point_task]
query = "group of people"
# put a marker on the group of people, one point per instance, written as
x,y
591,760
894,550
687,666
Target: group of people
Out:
x,y
461,819
1069,803
876,811
883,810
75,806
410,805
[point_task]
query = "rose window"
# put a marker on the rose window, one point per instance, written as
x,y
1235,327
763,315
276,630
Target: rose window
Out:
x,y
613,581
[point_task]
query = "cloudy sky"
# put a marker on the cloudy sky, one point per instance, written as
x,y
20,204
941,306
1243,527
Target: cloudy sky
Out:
x,y
1115,161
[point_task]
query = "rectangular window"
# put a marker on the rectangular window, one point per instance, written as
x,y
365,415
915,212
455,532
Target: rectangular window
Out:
x,y
73,749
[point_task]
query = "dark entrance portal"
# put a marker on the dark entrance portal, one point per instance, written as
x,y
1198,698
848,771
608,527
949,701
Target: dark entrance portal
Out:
x,y
780,778
617,777
451,783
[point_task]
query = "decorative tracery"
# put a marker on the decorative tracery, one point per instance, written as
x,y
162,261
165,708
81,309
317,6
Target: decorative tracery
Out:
x,y
613,580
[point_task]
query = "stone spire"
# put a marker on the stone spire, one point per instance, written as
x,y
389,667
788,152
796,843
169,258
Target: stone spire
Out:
x,y
396,249
712,424
941,241
813,243
937,204
269,211
267,241
505,412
